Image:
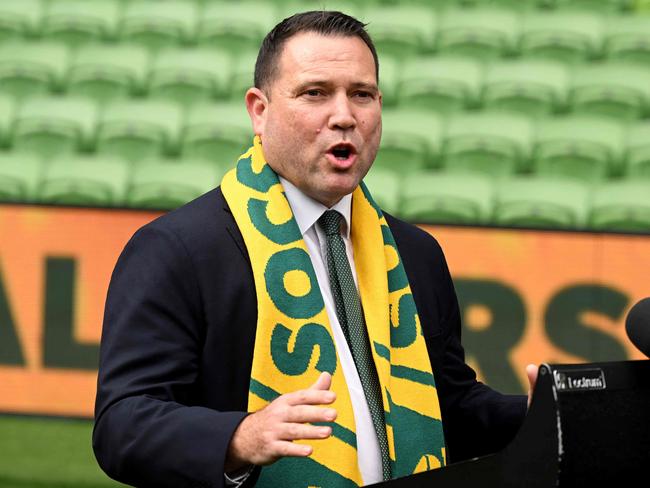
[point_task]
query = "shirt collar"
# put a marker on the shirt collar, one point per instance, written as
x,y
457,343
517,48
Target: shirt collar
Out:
x,y
307,211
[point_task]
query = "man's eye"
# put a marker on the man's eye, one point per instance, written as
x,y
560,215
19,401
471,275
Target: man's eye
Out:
x,y
313,93
363,94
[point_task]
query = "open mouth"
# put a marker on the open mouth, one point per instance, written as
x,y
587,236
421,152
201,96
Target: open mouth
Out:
x,y
342,151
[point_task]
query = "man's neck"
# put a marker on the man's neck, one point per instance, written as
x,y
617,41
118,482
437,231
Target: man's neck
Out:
x,y
306,210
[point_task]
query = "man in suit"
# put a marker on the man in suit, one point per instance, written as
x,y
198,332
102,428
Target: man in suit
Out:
x,y
181,313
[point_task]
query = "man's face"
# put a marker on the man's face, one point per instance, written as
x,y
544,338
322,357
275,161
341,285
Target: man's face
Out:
x,y
320,124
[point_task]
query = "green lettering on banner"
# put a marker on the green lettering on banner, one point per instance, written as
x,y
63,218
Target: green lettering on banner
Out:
x,y
60,350
491,345
566,329
10,351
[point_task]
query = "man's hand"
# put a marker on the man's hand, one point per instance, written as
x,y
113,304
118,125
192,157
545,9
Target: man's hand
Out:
x,y
531,372
268,434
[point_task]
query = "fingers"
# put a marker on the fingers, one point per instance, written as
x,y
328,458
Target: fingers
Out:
x,y
323,382
310,396
294,432
310,414
286,448
269,433
531,372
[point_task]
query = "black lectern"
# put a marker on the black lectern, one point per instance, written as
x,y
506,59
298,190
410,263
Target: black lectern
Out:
x,y
588,426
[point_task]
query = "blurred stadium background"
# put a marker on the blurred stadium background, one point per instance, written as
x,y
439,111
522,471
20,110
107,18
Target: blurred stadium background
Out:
x,y
498,114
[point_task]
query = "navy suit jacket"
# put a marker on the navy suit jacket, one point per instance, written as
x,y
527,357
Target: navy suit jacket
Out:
x,y
177,349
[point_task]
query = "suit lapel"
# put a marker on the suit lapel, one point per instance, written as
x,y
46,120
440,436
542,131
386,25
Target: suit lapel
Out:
x,y
231,225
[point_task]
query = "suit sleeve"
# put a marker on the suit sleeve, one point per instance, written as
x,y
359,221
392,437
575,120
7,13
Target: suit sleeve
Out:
x,y
149,429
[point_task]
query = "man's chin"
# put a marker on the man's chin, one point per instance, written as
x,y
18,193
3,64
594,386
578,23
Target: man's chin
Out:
x,y
334,194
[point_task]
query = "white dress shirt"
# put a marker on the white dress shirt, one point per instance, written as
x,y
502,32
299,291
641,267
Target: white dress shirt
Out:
x,y
306,212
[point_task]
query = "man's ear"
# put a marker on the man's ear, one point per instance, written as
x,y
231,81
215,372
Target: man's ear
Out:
x,y
256,104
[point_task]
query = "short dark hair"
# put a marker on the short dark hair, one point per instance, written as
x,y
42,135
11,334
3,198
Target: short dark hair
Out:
x,y
319,21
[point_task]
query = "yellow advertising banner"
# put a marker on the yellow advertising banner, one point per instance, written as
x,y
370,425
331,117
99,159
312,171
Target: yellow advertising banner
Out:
x,y
543,296
55,266
525,297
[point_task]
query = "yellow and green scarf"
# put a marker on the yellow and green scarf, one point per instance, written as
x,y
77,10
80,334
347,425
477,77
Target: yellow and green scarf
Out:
x,y
294,341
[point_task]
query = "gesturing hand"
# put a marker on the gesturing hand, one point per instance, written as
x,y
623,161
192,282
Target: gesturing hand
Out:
x,y
531,372
268,434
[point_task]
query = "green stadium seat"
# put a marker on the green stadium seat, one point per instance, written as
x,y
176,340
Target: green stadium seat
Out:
x,y
219,132
492,143
355,8
7,108
614,90
410,140
436,197
236,26
442,84
540,202
52,126
167,185
85,180
31,68
627,38
389,75
77,22
567,37
188,76
621,206
514,5
105,72
20,18
482,33
20,176
156,24
532,87
401,30
242,74
587,148
385,188
604,6
136,130
637,149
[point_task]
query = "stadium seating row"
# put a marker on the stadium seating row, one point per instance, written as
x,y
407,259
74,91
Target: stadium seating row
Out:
x,y
419,196
500,144
441,83
532,87
105,71
489,33
237,26
523,201
133,130
494,143
104,181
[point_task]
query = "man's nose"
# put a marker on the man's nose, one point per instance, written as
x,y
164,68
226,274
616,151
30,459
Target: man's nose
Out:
x,y
342,116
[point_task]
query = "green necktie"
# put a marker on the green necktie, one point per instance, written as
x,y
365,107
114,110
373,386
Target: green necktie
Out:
x,y
350,315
